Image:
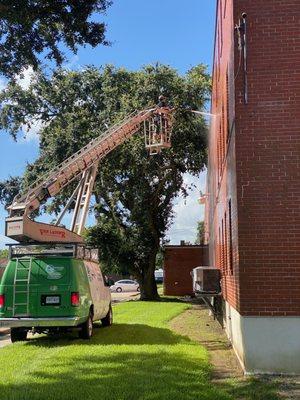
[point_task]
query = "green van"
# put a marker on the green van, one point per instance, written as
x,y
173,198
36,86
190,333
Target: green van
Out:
x,y
53,288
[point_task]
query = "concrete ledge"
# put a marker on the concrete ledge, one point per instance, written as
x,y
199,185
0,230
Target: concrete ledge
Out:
x,y
265,345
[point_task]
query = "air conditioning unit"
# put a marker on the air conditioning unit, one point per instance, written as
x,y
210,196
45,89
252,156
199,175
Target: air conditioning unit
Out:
x,y
206,280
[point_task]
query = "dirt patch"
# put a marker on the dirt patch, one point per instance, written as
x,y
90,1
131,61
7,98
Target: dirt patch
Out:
x,y
199,326
289,388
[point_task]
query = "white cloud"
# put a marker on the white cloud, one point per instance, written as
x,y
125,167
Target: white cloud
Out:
x,y
73,62
32,133
24,80
188,212
25,77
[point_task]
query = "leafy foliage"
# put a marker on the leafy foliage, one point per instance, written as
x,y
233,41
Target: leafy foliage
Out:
x,y
9,189
31,28
200,233
3,253
134,192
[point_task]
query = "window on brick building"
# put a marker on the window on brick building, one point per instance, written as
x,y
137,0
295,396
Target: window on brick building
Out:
x,y
220,151
223,249
225,244
219,246
225,8
224,138
227,107
220,19
218,159
230,238
215,90
217,61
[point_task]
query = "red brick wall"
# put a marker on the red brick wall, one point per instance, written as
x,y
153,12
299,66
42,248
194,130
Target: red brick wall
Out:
x,y
260,160
221,185
178,264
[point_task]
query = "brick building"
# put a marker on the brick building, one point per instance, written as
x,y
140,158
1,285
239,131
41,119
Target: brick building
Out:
x,y
253,203
179,261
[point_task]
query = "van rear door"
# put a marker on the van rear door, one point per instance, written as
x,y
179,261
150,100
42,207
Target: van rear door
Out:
x,y
19,285
53,292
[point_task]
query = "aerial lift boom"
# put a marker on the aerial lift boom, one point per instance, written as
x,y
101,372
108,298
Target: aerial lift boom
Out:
x,y
83,165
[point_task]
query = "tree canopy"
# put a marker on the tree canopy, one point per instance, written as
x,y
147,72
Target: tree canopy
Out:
x,y
200,233
31,28
134,192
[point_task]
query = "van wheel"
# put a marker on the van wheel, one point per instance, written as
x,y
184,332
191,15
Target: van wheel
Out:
x,y
86,330
18,335
119,290
108,319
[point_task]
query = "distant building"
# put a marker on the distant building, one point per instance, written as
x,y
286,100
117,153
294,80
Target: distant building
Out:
x,y
253,191
179,262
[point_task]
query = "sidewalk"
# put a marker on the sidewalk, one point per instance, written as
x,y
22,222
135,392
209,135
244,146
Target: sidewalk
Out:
x,y
124,296
4,337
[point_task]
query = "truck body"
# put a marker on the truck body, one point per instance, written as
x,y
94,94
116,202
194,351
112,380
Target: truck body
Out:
x,y
50,291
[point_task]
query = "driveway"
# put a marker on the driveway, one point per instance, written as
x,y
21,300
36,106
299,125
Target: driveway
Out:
x,y
116,298
124,296
4,337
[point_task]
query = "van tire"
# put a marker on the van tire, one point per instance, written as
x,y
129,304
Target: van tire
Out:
x,y
18,335
86,330
108,319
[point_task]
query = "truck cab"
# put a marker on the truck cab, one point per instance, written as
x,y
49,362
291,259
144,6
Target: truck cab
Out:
x,y
53,288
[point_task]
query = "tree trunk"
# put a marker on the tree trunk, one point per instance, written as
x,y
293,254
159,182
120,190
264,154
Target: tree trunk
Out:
x,y
147,282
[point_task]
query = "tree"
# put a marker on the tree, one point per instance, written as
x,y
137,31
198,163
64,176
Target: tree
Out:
x,y
33,28
3,253
200,233
9,188
133,191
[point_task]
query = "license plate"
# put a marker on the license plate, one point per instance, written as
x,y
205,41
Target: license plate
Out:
x,y
51,300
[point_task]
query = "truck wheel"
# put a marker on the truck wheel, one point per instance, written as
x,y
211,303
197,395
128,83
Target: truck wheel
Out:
x,y
108,319
18,335
86,330
119,290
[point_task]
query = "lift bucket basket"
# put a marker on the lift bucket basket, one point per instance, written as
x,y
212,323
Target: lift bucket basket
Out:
x,y
158,130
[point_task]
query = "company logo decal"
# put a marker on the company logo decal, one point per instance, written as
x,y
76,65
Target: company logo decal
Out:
x,y
53,233
53,272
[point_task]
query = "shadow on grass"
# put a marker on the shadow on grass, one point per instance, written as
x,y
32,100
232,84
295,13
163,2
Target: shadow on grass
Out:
x,y
128,375
125,375
117,334
124,362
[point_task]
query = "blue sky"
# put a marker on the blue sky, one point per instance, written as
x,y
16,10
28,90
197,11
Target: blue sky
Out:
x,y
170,31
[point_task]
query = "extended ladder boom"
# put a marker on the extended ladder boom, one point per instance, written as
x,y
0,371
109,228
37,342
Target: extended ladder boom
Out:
x,y
20,227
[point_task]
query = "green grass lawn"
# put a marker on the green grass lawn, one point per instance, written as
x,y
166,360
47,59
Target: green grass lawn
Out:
x,y
137,358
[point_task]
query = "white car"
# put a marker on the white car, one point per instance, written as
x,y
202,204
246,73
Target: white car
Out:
x,y
125,285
